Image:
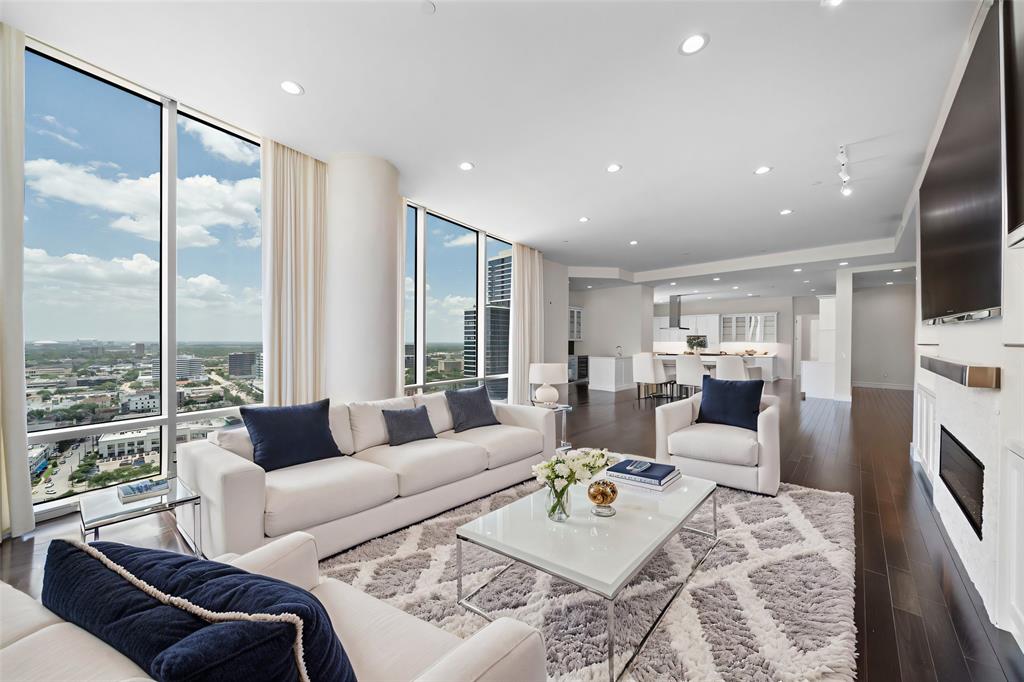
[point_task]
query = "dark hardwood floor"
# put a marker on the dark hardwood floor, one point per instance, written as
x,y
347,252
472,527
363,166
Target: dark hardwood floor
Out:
x,y
918,616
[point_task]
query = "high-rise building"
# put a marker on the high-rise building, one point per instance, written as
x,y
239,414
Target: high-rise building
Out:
x,y
188,367
498,297
469,343
259,365
242,364
138,349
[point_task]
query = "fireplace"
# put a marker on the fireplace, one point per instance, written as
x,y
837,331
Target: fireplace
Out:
x,y
964,475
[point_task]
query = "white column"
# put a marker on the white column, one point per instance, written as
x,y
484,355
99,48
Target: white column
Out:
x,y
844,335
362,290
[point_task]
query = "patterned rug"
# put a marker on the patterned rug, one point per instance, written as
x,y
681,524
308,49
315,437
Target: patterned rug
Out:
x,y
773,601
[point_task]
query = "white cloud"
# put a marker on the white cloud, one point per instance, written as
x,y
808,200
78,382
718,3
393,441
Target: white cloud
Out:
x,y
60,138
467,239
52,121
250,242
221,144
203,201
81,296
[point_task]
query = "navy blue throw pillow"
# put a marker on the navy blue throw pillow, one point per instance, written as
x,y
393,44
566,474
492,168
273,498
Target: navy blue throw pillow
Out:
x,y
733,403
206,637
405,426
286,436
470,408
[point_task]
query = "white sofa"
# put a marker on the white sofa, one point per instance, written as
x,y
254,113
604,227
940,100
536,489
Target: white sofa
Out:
x,y
374,489
727,455
35,644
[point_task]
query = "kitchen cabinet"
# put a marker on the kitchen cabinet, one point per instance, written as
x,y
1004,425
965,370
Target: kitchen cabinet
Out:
x,y
706,325
575,323
749,327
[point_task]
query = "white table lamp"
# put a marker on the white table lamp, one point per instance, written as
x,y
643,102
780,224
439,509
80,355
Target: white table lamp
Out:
x,y
546,374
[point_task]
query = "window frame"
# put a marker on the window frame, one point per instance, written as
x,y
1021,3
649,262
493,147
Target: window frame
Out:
x,y
169,417
420,386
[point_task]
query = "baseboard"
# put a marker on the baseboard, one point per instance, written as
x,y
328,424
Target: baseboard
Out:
x,y
877,384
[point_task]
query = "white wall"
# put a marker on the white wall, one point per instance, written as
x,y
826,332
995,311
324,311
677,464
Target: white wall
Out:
x,y
883,337
616,316
556,315
844,335
783,305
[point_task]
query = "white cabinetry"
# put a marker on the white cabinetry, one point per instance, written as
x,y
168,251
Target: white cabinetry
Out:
x,y
575,323
750,327
692,325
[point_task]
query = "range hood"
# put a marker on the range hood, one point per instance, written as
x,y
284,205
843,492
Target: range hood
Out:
x,y
675,303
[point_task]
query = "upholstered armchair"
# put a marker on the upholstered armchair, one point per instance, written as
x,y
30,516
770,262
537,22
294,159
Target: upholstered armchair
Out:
x,y
729,455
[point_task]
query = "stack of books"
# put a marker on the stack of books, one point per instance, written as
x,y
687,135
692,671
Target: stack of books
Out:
x,y
642,474
129,492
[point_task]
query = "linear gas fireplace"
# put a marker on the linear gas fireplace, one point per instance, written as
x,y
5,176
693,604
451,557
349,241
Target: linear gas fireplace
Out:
x,y
964,475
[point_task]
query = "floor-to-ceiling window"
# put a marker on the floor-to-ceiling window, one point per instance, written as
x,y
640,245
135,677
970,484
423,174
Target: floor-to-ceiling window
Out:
x,y
453,272
111,365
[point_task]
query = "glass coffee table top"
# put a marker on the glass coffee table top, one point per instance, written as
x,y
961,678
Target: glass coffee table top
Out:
x,y
103,507
599,554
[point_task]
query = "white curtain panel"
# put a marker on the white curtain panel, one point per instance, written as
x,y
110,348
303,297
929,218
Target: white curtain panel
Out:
x,y
526,342
15,490
294,239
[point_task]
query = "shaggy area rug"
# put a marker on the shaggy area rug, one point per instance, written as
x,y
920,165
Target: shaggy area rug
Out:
x,y
773,601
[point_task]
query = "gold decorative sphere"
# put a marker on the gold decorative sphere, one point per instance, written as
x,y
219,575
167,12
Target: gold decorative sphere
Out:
x,y
602,492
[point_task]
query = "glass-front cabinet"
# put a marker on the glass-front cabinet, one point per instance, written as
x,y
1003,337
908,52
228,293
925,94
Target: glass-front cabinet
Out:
x,y
750,327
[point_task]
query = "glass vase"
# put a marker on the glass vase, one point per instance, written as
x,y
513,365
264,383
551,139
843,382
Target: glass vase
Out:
x,y
558,504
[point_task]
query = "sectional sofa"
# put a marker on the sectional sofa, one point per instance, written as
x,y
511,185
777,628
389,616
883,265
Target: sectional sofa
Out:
x,y
36,644
371,490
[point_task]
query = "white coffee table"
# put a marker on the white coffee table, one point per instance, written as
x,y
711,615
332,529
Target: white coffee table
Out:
x,y
598,554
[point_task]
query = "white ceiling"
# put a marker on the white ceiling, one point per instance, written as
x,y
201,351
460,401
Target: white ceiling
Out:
x,y
542,96
881,278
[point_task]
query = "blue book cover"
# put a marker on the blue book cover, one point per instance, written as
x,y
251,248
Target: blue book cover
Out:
x,y
655,472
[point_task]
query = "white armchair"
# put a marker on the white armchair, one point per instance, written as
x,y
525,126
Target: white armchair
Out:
x,y
728,455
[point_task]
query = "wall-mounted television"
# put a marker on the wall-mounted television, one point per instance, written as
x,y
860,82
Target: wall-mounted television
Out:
x,y
1013,76
961,196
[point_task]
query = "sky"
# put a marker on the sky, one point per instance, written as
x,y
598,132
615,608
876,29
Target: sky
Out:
x,y
92,217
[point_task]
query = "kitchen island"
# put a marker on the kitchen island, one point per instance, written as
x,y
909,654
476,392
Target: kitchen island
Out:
x,y
767,363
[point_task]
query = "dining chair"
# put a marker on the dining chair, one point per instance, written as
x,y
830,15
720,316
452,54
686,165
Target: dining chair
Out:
x,y
690,373
649,371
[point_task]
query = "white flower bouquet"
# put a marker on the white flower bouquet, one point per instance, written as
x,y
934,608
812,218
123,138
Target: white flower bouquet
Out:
x,y
564,469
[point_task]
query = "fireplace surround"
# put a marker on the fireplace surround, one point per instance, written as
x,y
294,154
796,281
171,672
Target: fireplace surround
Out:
x,y
964,476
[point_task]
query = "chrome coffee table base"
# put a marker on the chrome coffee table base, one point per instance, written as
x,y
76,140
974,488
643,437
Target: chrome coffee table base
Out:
x,y
464,601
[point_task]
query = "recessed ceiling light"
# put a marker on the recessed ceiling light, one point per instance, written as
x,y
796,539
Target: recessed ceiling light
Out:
x,y
634,243
807,281
813,289
584,219
798,269
671,284
466,166
715,279
785,211
888,283
761,170
846,190
709,298
735,288
590,286
696,291
831,3
844,263
292,88
898,270
694,44
749,294
614,168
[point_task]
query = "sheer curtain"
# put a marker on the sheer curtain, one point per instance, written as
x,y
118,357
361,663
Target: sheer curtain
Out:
x,y
294,217
15,490
526,343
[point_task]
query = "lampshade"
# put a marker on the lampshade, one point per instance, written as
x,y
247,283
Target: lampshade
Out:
x,y
549,373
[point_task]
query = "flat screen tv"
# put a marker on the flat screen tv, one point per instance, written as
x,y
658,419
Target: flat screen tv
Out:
x,y
961,196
